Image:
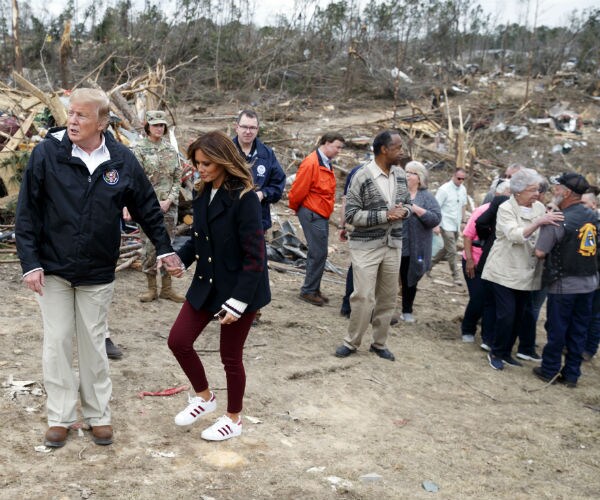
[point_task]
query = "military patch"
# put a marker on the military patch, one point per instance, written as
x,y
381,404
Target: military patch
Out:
x,y
111,177
587,240
260,170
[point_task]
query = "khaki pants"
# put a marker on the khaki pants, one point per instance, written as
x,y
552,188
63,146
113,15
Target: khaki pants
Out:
x,y
375,272
81,312
448,252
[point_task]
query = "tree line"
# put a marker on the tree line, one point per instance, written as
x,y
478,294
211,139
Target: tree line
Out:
x,y
338,50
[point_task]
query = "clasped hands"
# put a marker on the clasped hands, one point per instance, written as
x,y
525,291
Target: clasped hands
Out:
x,y
398,212
172,264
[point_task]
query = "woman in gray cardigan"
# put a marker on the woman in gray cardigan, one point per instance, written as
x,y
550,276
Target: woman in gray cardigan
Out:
x,y
417,236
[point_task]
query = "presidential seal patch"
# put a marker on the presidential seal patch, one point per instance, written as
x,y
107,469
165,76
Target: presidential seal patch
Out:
x,y
111,177
260,170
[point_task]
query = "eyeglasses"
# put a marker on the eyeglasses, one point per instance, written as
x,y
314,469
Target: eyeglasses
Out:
x,y
460,178
248,128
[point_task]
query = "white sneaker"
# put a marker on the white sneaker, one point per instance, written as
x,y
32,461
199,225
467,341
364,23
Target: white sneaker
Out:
x,y
196,408
408,318
223,428
485,347
468,338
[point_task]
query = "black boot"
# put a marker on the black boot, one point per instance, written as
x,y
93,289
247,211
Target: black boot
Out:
x,y
112,351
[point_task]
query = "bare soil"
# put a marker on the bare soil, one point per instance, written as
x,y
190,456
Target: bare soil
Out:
x,y
315,426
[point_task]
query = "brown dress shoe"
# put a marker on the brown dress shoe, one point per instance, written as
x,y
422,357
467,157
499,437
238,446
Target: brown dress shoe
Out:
x,y
323,297
56,437
102,434
312,298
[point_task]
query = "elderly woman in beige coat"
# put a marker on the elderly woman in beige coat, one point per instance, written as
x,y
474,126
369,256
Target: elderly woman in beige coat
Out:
x,y
513,269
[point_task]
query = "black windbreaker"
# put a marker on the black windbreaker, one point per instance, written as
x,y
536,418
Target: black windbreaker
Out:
x,y
68,221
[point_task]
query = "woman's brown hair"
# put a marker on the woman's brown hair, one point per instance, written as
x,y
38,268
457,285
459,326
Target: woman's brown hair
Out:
x,y
220,149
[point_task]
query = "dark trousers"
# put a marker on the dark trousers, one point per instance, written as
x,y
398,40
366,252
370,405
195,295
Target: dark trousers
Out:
x,y
514,318
568,318
408,292
475,309
593,334
316,232
184,332
537,300
346,309
489,313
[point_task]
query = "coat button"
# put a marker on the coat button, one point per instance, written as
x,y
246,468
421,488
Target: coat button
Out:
x,y
195,234
210,280
199,277
207,238
209,259
197,256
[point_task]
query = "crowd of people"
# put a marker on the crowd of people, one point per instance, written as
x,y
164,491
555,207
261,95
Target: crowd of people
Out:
x,y
525,244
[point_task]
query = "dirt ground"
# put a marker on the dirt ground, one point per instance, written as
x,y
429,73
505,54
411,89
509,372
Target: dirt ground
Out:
x,y
315,426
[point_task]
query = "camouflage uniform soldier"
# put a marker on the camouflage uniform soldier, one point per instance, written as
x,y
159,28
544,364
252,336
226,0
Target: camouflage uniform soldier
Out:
x,y
161,164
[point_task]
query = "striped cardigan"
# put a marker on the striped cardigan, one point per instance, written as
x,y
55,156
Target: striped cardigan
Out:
x,y
366,210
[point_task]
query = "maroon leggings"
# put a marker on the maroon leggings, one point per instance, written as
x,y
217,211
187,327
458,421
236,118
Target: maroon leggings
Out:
x,y
186,329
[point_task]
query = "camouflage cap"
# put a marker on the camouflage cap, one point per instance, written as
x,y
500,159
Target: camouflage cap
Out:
x,y
156,117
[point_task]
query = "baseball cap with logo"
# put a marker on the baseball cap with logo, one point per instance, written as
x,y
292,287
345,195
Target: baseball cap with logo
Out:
x,y
156,117
572,181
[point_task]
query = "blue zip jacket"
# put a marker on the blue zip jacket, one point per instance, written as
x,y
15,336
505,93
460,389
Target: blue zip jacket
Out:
x,y
268,177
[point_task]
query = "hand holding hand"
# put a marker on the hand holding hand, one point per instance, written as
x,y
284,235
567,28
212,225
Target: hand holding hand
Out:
x,y
172,264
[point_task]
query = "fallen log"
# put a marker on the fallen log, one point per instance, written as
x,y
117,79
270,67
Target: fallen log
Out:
x,y
135,246
130,254
126,264
53,102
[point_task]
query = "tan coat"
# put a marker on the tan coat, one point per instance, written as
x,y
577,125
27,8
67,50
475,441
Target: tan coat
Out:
x,y
512,262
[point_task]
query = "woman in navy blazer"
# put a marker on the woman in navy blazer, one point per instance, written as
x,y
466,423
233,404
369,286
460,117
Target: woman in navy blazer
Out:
x,y
230,281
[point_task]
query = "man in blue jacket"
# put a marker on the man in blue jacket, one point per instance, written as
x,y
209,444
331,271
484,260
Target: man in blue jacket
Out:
x,y
268,176
74,189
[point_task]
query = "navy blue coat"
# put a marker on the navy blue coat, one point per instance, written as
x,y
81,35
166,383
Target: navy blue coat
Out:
x,y
228,246
68,221
268,177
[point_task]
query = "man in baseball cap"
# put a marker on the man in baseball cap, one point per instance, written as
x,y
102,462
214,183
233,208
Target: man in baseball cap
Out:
x,y
570,258
571,180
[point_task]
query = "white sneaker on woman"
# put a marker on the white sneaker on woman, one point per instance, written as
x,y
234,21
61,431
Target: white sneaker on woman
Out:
x,y
223,428
196,408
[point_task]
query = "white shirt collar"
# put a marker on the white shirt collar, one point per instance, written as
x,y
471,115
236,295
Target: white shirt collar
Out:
x,y
95,158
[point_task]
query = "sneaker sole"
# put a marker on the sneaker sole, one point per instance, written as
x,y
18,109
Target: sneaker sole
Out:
x,y
528,358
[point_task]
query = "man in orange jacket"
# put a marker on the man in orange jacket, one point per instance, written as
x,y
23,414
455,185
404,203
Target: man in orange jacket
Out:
x,y
312,196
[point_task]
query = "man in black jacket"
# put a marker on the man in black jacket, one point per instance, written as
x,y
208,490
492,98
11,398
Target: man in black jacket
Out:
x,y
73,192
571,275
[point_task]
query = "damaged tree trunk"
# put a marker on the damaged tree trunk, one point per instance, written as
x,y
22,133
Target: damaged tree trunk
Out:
x,y
65,51
16,39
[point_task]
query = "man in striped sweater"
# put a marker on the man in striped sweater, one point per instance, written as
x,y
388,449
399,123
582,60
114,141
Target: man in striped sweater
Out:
x,y
376,204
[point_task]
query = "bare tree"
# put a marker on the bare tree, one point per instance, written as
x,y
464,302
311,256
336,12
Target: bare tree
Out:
x,y
16,40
